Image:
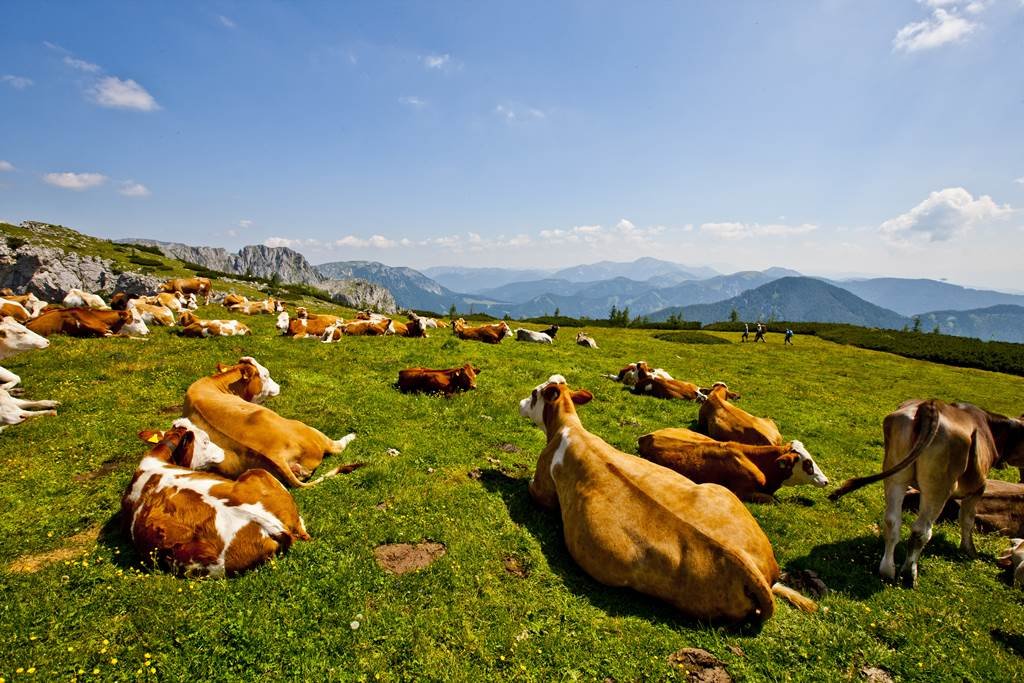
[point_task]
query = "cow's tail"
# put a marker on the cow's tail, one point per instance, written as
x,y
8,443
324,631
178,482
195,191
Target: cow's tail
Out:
x,y
927,421
794,597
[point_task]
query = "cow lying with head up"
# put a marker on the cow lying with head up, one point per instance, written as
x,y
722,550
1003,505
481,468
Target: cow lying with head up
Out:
x,y
14,309
445,382
945,451
15,338
30,302
649,384
489,334
88,322
266,306
304,324
224,409
628,375
753,473
195,327
629,522
200,286
723,421
198,523
525,335
357,328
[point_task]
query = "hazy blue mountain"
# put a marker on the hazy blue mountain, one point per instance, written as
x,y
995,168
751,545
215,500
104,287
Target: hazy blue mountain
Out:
x,y
793,299
641,269
411,288
469,279
910,296
1003,323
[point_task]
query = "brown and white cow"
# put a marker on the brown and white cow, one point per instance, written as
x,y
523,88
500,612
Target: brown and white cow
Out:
x,y
200,286
225,407
14,309
78,298
723,421
199,523
628,375
305,325
266,306
1013,559
88,322
197,327
586,340
753,473
489,334
945,451
15,410
445,382
649,384
175,301
15,338
357,328
525,335
629,522
30,302
232,299
153,315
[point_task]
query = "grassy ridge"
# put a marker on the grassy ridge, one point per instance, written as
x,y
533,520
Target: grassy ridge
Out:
x,y
461,479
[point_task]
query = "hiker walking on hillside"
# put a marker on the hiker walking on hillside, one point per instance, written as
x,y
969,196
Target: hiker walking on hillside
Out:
x,y
746,332
789,336
759,334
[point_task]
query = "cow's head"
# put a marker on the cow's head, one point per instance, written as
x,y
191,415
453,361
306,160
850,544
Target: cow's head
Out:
x,y
301,312
15,338
722,391
465,377
278,305
169,446
135,324
282,321
187,318
254,384
550,397
800,467
202,453
191,302
506,331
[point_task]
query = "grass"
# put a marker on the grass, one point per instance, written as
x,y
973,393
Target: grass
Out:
x,y
460,479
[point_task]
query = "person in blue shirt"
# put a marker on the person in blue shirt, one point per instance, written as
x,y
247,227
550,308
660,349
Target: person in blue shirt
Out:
x,y
789,336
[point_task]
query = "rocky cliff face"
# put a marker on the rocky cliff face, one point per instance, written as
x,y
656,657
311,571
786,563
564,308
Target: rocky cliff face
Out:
x,y
50,273
360,294
255,259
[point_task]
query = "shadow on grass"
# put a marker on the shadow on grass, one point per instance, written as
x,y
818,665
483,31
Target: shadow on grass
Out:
x,y
1013,642
114,536
546,527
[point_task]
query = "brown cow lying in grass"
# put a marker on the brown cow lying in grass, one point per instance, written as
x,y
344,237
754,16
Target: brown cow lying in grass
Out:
x,y
945,451
650,384
723,421
753,473
489,334
305,325
357,328
265,306
629,522
445,382
196,327
199,523
88,322
224,409
200,286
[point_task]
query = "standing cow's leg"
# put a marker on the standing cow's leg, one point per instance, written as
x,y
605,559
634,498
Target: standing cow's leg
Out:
x,y
921,532
967,508
894,494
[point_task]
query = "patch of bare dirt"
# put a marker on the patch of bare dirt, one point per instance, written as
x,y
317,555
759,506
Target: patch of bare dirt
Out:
x,y
402,558
509,448
73,547
101,471
874,674
700,665
515,566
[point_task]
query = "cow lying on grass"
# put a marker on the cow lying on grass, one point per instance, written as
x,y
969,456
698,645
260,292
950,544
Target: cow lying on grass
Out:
x,y
629,522
945,451
489,334
753,473
153,314
304,324
357,328
224,409
629,374
200,286
30,302
266,306
586,340
87,322
196,327
15,338
77,298
525,335
15,410
649,384
723,421
198,523
445,382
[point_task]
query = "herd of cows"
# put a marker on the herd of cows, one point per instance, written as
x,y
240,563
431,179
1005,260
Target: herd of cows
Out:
x,y
211,494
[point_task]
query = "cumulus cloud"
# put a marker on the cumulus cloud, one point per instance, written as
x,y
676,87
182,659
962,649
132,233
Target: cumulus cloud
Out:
x,y
16,82
943,27
75,181
412,101
738,231
111,91
375,241
514,113
945,215
437,61
82,65
6,166
130,188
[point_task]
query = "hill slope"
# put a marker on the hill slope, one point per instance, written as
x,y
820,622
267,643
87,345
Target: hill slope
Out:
x,y
795,299
912,296
411,288
1001,323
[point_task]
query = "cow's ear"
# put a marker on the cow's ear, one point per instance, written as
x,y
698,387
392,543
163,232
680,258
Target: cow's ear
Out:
x,y
786,462
581,397
551,392
151,435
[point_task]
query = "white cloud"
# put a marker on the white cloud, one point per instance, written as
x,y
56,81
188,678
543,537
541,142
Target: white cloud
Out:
x,y
226,21
82,65
412,101
75,181
945,215
16,82
943,27
6,166
1020,181
111,91
738,231
130,188
513,113
374,241
245,223
437,61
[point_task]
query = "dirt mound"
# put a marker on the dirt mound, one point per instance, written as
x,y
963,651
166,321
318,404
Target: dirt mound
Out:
x,y
700,665
401,558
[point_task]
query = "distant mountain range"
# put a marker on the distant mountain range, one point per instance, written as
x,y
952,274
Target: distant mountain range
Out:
x,y
910,297
411,288
1004,322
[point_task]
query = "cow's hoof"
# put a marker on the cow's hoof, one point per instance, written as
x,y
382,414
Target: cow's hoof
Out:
x,y
909,578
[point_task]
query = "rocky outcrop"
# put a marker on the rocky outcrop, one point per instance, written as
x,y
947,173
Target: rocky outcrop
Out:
x,y
50,273
360,294
255,259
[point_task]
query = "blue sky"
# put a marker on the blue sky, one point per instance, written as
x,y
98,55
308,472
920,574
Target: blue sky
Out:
x,y
843,136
